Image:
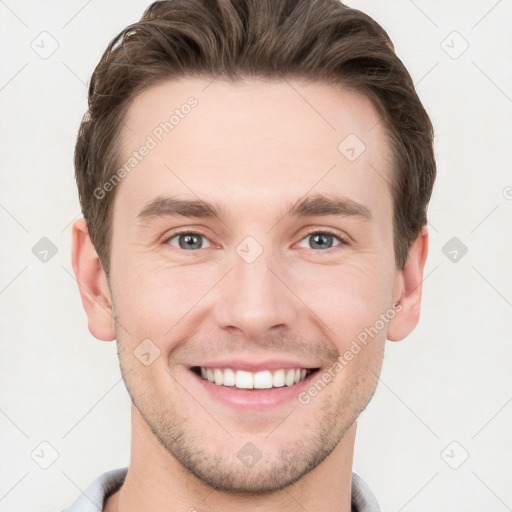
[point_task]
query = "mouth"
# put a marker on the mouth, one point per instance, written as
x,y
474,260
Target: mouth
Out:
x,y
256,381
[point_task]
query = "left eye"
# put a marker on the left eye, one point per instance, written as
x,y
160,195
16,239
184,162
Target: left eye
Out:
x,y
321,240
188,241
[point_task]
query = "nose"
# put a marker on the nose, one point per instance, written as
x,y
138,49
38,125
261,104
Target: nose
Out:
x,y
254,299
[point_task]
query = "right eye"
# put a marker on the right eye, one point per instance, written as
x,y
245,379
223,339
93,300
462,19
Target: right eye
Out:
x,y
187,240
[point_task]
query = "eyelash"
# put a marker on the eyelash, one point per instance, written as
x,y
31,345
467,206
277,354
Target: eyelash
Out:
x,y
343,240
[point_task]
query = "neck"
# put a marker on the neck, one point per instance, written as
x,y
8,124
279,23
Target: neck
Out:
x,y
157,481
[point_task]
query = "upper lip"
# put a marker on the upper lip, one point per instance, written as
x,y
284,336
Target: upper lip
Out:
x,y
255,366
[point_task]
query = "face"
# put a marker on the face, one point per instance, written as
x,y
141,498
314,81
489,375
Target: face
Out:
x,y
252,245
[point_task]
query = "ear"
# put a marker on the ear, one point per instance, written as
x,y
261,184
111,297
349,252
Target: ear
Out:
x,y
408,290
92,283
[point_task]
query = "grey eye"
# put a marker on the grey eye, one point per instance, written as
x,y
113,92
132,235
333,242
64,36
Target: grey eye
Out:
x,y
188,241
321,240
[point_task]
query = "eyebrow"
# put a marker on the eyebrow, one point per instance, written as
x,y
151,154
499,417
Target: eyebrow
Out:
x,y
309,206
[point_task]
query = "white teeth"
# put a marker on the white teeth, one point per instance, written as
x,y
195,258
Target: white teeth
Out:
x,y
290,378
218,375
278,378
229,377
264,379
243,380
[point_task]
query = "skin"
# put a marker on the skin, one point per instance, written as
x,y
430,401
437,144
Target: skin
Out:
x,y
252,147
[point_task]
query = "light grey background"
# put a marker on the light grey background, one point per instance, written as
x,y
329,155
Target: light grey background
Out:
x,y
445,393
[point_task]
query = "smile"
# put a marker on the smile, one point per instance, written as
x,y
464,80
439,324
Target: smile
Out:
x,y
265,379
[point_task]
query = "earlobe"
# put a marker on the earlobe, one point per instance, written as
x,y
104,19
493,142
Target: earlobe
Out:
x,y
409,288
92,283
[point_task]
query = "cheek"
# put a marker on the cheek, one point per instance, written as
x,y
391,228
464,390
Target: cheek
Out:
x,y
152,300
347,299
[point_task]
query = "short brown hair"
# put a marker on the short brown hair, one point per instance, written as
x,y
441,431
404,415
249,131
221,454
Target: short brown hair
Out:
x,y
316,40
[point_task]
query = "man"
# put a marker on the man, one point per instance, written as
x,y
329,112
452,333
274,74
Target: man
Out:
x,y
254,177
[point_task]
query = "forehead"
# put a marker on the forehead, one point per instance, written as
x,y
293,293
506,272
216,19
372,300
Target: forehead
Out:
x,y
252,141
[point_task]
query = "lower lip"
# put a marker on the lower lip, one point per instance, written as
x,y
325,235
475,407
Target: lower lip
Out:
x,y
261,399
